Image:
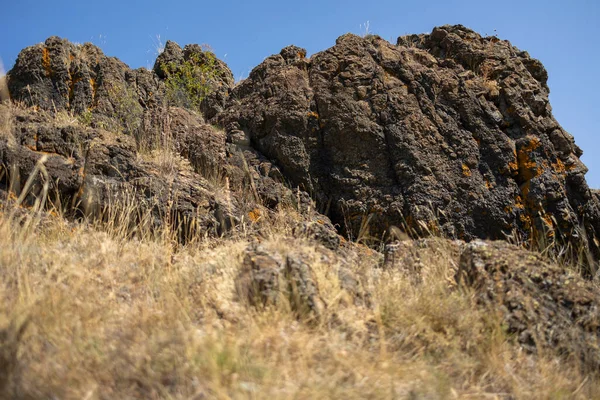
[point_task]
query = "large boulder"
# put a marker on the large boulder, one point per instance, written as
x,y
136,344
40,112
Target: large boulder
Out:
x,y
268,278
449,132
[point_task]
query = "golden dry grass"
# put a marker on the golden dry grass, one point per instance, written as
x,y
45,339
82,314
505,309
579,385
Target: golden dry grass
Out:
x,y
115,318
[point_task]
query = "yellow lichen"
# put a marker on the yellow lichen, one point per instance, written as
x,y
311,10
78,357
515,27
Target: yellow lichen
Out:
x,y
526,220
466,170
548,220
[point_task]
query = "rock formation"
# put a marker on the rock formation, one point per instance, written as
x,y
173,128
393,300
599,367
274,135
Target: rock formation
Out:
x,y
448,132
542,305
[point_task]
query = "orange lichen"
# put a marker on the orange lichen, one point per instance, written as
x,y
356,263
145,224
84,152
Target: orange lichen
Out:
x,y
526,220
254,215
513,166
519,203
528,167
488,184
466,170
312,114
560,167
548,220
533,144
46,61
94,88
302,54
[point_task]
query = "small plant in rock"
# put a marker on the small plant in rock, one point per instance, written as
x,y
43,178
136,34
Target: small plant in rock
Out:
x,y
85,118
127,109
190,82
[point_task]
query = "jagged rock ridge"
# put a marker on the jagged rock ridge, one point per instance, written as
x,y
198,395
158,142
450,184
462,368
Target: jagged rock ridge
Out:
x,y
448,132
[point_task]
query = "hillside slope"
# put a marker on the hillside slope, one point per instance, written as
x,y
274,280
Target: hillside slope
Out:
x,y
357,224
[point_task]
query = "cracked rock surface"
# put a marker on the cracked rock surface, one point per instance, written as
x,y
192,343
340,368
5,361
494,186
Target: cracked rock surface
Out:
x,y
447,132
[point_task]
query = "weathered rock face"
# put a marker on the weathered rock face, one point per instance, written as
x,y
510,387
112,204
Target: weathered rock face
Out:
x,y
543,305
183,174
447,131
90,169
59,75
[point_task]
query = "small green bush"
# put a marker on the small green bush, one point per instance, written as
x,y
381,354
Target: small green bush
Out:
x,y
190,82
126,106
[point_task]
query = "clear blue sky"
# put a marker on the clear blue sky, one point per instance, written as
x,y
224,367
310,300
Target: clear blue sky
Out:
x,y
564,35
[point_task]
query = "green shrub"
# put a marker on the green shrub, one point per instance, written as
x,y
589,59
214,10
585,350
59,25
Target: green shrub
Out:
x,y
126,107
85,118
190,82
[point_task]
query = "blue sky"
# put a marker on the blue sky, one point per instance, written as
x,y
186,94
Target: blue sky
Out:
x,y
564,35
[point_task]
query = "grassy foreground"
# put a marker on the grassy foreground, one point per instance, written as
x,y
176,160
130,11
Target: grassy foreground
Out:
x,y
86,313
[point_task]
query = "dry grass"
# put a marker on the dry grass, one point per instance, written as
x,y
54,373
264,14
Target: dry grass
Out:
x,y
115,318
6,121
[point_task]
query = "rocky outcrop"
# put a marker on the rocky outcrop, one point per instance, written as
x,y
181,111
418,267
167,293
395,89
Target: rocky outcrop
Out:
x,y
214,78
269,279
90,170
99,122
542,305
176,170
448,132
59,75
